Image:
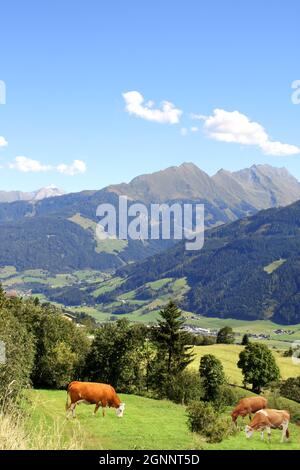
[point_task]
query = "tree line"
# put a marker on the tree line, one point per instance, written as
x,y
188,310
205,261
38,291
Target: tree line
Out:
x,y
45,350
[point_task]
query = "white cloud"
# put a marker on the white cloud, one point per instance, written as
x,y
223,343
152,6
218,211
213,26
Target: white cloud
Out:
x,y
184,131
194,129
77,167
3,142
168,114
198,117
236,127
27,165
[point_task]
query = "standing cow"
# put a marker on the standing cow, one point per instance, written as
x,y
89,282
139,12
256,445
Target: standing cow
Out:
x,y
93,393
247,406
269,419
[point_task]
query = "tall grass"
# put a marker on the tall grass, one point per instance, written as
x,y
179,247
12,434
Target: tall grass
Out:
x,y
15,434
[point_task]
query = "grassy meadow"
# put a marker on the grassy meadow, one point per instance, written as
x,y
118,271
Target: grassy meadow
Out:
x,y
147,424
229,355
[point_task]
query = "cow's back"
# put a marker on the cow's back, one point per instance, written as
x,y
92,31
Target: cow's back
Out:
x,y
252,403
269,417
92,392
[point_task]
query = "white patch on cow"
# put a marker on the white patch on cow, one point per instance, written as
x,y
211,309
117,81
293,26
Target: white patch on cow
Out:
x,y
248,431
263,412
120,410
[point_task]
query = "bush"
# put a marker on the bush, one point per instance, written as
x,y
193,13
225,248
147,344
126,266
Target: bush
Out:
x,y
185,387
200,416
226,397
281,403
220,429
290,388
205,420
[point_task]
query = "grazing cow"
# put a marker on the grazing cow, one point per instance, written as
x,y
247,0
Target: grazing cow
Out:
x,y
269,419
93,393
247,406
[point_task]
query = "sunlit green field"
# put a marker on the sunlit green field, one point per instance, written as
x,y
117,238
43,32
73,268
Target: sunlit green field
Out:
x,y
229,355
147,424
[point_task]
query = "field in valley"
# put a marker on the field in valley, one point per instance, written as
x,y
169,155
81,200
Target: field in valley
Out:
x,y
147,424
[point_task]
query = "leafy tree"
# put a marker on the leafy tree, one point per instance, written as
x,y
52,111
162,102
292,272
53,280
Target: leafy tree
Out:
x,y
225,335
117,356
258,366
212,375
173,352
61,349
245,340
17,356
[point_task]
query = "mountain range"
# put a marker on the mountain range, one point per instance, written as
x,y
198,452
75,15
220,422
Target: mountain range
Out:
x,y
58,233
42,193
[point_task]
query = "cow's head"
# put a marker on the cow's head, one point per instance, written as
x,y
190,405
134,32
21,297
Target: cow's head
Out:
x,y
120,410
249,431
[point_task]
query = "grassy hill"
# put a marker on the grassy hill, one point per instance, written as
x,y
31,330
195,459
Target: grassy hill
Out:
x,y
147,424
229,354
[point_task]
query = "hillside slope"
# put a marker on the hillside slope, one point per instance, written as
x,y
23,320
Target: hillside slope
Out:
x,y
249,269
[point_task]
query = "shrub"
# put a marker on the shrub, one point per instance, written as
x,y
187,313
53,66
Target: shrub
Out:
x,y
220,429
185,387
205,420
200,416
226,397
281,403
290,388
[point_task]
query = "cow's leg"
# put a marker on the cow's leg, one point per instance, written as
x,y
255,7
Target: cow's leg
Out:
x,y
284,433
68,412
262,435
104,405
96,408
72,408
269,433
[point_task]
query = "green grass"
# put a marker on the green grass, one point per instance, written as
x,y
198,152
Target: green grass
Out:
x,y
229,355
7,271
240,442
273,266
147,424
102,246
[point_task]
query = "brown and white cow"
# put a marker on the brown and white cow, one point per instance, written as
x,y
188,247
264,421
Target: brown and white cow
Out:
x,y
269,419
93,393
247,406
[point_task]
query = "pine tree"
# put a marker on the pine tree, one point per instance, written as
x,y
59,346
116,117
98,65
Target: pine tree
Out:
x,y
174,353
245,340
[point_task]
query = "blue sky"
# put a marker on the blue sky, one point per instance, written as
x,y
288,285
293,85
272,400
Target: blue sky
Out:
x,y
67,65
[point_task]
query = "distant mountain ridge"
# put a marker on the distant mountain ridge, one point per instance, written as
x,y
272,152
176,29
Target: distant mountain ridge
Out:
x,y
41,228
260,186
42,193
